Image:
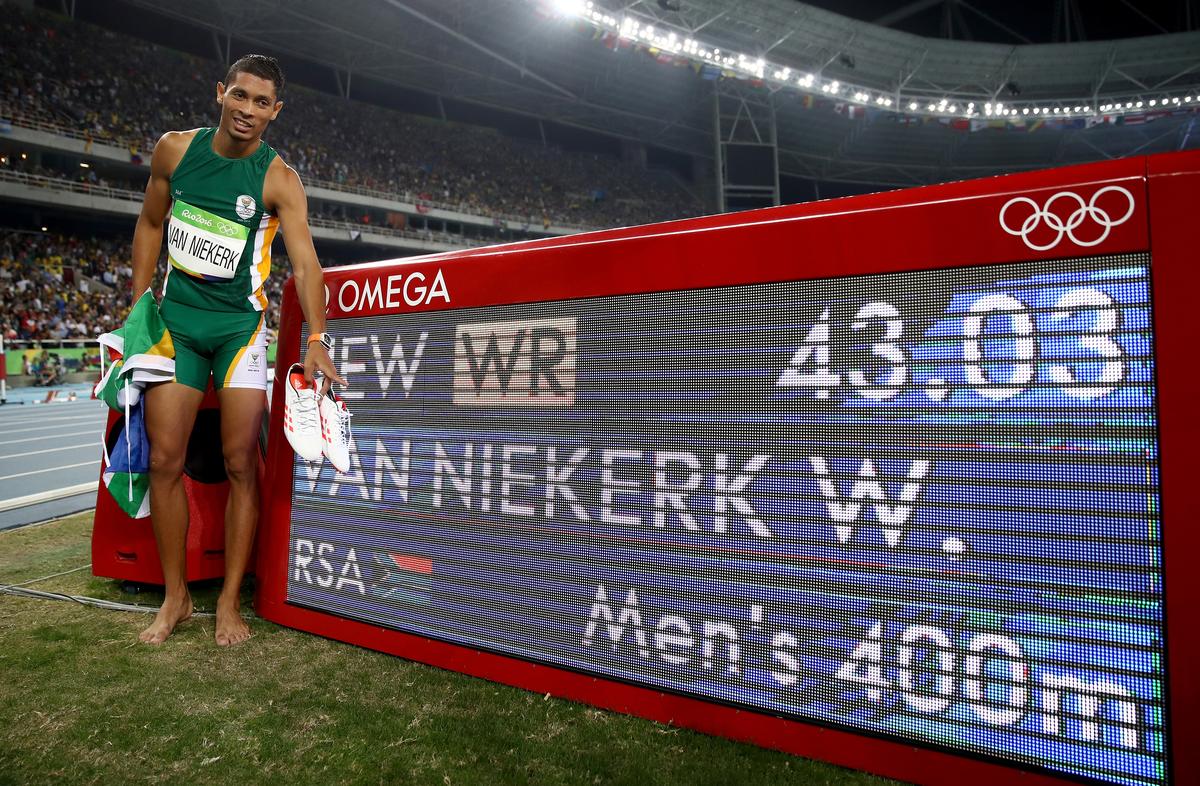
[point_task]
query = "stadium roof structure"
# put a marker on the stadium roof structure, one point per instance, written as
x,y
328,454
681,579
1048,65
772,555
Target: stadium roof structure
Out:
x,y
593,65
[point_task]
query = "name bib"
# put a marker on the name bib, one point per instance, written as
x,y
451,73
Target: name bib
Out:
x,y
203,244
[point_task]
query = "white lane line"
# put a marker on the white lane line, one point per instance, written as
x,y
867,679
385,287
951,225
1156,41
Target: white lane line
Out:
x,y
48,496
51,436
30,425
42,417
41,414
95,461
52,450
51,428
35,415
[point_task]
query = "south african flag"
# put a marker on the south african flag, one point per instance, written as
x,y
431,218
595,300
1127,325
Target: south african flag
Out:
x,y
404,577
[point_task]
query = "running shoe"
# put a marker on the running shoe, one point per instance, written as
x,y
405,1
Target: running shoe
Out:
x,y
302,415
335,431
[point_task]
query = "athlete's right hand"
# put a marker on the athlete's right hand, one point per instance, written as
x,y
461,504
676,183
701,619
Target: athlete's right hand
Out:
x,y
317,359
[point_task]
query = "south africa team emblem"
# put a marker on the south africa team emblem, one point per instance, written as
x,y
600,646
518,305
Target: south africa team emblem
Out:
x,y
245,206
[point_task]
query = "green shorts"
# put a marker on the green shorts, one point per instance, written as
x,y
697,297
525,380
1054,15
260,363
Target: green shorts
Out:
x,y
230,346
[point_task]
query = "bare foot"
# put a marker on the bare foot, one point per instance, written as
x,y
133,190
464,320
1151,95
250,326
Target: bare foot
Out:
x,y
231,628
172,612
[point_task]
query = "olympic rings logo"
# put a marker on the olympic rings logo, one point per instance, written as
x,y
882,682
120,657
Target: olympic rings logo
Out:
x,y
227,229
1083,211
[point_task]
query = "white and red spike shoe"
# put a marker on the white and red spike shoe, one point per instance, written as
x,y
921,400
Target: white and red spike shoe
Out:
x,y
302,415
335,431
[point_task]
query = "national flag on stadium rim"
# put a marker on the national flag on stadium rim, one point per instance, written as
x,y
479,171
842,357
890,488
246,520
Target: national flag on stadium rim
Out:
x,y
405,577
144,353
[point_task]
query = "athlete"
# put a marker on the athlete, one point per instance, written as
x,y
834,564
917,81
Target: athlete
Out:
x,y
222,193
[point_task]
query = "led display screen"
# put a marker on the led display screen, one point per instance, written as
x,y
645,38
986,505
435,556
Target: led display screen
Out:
x,y
921,506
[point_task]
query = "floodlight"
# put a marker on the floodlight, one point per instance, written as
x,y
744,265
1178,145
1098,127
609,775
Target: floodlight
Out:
x,y
569,7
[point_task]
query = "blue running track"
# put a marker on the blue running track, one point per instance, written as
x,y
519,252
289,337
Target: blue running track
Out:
x,y
49,454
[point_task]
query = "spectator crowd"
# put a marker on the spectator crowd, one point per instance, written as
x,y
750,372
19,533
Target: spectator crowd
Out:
x,y
124,91
55,287
58,287
119,90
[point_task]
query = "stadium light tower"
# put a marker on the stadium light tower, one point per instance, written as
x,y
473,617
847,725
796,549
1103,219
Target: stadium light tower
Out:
x,y
747,147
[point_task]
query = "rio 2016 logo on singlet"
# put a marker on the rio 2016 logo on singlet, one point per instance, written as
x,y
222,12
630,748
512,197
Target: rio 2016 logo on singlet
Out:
x,y
245,206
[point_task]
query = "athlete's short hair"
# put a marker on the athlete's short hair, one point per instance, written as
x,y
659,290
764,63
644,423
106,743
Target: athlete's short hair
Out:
x,y
262,66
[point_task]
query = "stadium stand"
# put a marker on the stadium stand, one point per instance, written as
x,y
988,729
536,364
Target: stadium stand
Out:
x,y
118,90
58,287
349,217
61,287
125,91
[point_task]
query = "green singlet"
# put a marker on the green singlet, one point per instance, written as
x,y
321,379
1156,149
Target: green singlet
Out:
x,y
219,252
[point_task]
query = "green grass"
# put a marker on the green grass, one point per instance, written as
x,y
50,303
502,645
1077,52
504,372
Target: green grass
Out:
x,y
82,702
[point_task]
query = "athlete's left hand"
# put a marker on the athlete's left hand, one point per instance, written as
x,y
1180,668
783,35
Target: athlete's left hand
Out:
x,y
317,359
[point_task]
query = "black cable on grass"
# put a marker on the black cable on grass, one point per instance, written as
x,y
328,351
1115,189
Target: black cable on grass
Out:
x,y
22,590
111,605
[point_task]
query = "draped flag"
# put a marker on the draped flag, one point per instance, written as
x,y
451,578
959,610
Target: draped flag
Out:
x,y
144,353
127,465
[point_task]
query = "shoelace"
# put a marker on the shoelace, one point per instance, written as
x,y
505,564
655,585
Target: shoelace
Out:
x,y
343,429
306,414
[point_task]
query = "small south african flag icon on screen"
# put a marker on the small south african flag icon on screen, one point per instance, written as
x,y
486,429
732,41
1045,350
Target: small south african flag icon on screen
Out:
x,y
404,577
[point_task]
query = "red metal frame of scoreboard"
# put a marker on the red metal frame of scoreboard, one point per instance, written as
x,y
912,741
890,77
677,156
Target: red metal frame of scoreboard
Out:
x,y
939,226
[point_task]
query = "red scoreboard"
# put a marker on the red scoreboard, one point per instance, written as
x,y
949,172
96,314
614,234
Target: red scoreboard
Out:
x,y
897,481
